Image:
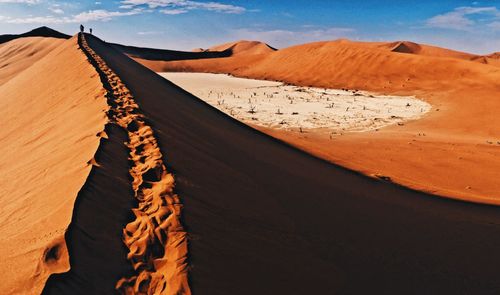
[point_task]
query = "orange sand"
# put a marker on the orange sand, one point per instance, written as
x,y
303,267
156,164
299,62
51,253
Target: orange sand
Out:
x,y
48,137
20,54
321,225
157,222
457,157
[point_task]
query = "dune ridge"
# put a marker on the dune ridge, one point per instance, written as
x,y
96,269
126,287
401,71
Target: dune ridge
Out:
x,y
50,121
38,32
156,239
243,47
165,54
293,223
452,151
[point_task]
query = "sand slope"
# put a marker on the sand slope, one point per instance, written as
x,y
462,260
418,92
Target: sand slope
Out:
x,y
258,213
343,64
243,47
18,55
268,217
462,124
167,55
50,115
126,205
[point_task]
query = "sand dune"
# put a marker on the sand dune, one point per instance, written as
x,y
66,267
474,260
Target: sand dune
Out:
x,y
453,86
20,54
340,64
38,32
157,221
49,121
426,50
244,47
157,58
266,216
167,55
491,59
255,212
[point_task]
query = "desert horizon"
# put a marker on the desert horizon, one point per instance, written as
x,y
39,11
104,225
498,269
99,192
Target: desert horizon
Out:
x,y
296,159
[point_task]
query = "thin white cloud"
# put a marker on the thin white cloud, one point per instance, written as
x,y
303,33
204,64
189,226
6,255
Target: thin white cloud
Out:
x,y
173,11
494,25
21,1
56,10
91,15
461,17
184,5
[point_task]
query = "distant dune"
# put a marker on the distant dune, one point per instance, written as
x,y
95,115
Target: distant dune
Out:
x,y
426,50
156,58
447,79
244,47
168,55
329,63
38,32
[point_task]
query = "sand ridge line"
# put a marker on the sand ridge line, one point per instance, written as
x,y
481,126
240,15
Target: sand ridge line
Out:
x,y
156,239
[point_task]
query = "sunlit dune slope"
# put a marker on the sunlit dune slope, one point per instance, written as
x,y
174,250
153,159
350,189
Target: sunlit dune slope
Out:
x,y
20,54
342,64
244,47
50,115
456,137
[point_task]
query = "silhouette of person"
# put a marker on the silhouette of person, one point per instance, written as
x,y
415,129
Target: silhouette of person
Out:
x,y
81,28
90,31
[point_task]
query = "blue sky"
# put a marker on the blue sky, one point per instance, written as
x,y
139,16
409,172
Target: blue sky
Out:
x,y
472,26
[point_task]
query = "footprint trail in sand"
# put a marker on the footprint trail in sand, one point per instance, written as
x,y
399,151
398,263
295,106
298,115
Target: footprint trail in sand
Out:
x,y
156,239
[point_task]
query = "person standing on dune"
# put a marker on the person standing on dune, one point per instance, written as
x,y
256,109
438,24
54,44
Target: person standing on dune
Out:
x,y
90,31
81,28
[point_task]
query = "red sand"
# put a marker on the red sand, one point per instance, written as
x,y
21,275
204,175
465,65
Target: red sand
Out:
x,y
261,216
457,157
51,114
268,217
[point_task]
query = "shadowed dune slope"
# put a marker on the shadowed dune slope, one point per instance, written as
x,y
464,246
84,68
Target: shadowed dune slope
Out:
x,y
265,218
157,59
18,55
98,257
38,32
50,115
167,55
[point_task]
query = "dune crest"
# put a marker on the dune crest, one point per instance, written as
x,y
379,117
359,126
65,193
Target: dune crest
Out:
x,y
243,47
38,32
406,47
156,239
